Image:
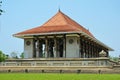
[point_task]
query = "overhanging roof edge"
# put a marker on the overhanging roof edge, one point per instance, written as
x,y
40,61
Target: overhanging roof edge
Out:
x,y
99,42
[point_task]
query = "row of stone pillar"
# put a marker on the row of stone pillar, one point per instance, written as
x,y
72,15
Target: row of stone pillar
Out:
x,y
50,49
89,49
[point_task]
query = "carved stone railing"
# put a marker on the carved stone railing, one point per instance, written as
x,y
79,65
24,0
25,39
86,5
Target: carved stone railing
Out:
x,y
69,62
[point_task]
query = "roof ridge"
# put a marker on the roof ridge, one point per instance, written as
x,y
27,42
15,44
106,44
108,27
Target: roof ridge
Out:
x,y
64,17
58,16
80,27
49,20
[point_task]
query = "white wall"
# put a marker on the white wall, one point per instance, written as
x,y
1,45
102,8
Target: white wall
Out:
x,y
28,49
72,50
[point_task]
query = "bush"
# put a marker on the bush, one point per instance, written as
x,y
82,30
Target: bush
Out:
x,y
2,56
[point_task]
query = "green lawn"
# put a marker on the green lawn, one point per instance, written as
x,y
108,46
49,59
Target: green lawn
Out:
x,y
57,76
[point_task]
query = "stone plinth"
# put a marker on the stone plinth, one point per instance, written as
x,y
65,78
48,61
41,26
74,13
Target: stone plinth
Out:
x,y
55,62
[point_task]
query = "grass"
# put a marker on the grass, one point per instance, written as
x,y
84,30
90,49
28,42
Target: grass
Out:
x,y
57,76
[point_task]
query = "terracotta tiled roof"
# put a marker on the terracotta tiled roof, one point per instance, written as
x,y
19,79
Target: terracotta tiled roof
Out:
x,y
58,23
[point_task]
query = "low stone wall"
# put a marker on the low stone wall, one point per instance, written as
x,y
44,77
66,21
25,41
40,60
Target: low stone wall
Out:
x,y
58,62
58,65
116,67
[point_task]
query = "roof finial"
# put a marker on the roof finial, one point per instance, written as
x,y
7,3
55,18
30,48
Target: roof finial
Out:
x,y
59,9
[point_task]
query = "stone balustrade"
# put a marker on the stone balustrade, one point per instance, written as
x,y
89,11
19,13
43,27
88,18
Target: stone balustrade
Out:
x,y
54,62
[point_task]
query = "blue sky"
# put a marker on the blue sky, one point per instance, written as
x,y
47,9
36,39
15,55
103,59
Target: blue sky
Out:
x,y
101,17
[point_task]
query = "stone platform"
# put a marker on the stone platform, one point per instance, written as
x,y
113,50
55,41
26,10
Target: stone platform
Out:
x,y
80,62
59,65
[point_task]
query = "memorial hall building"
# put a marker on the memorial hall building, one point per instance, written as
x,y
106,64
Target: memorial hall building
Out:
x,y
61,45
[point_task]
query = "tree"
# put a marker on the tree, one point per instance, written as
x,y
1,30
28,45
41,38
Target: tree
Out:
x,y
14,55
2,56
1,11
114,58
22,55
7,56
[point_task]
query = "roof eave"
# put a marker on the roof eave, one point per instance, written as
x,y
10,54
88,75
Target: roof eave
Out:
x,y
49,33
99,42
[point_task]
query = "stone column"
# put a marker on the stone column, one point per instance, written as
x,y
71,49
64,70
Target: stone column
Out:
x,y
92,50
83,48
107,53
37,49
96,51
34,49
46,47
88,49
64,46
79,46
55,47
85,53
40,49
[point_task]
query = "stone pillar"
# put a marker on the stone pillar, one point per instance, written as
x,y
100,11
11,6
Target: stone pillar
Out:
x,y
64,46
46,47
89,49
107,53
82,50
93,50
55,47
80,47
98,51
85,50
34,49
40,48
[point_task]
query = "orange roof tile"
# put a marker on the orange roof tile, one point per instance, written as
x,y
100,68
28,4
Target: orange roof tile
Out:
x,y
58,23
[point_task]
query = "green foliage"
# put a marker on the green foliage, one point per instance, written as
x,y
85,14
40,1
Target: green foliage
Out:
x,y
114,58
7,56
14,55
1,11
2,56
22,55
46,76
